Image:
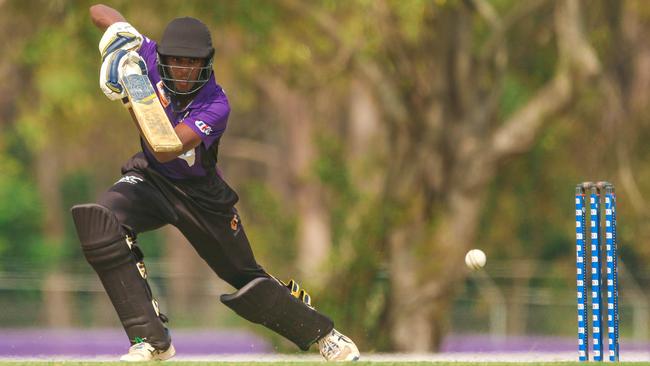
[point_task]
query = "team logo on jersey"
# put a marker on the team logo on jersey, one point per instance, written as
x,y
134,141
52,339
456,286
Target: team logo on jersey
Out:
x,y
131,179
203,127
162,95
234,223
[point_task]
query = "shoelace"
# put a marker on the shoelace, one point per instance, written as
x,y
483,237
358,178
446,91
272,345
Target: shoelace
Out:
x,y
141,345
329,349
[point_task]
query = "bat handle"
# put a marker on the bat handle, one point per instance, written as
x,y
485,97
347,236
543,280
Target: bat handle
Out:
x,y
126,103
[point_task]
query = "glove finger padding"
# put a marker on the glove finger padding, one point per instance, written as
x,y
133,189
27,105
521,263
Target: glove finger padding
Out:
x,y
119,36
117,65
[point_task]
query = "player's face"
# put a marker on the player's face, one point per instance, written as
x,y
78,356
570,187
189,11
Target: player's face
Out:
x,y
185,70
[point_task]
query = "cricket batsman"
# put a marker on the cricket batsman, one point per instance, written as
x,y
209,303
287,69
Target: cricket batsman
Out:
x,y
185,190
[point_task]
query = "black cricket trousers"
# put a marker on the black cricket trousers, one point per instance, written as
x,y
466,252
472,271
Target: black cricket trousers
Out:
x,y
202,209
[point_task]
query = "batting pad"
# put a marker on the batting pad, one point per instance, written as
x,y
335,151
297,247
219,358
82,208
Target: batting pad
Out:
x,y
265,301
113,256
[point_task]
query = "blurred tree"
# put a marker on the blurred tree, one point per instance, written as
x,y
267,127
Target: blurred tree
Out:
x,y
438,71
373,142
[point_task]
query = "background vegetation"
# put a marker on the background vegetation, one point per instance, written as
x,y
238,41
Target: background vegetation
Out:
x,y
372,143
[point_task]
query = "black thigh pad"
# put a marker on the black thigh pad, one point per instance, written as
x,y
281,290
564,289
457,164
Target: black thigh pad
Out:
x,y
265,301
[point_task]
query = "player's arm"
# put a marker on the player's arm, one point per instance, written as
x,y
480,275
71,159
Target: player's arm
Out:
x,y
117,47
103,16
188,138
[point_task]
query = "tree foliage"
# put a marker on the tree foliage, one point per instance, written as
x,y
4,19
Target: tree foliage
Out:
x,y
389,136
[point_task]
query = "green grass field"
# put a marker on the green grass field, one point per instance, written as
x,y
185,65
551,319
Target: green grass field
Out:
x,y
301,363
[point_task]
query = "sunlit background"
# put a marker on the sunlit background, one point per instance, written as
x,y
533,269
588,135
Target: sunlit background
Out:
x,y
372,143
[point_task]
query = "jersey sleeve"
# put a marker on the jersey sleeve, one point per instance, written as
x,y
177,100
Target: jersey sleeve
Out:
x,y
209,123
148,52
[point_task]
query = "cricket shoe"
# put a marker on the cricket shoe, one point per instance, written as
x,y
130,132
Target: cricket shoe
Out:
x,y
337,347
143,351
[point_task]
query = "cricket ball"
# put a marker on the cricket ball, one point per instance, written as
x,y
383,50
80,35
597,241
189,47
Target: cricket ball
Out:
x,y
475,259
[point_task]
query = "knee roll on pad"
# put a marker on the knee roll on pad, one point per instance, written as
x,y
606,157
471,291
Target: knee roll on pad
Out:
x,y
118,262
265,301
101,235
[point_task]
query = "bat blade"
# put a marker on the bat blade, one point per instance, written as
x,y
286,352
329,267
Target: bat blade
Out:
x,y
150,115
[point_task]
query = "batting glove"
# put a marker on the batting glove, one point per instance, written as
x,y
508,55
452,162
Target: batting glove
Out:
x,y
119,36
117,65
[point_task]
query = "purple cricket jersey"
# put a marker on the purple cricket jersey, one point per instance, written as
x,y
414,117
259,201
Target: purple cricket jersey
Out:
x,y
207,115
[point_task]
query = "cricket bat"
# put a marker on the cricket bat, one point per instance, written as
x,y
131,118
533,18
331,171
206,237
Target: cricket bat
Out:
x,y
149,115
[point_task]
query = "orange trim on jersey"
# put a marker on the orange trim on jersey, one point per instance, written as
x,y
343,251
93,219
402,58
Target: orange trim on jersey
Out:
x,y
161,94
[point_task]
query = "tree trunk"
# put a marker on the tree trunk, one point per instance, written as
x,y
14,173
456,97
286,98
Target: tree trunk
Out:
x,y
190,298
183,268
363,120
518,309
423,276
410,323
57,302
313,232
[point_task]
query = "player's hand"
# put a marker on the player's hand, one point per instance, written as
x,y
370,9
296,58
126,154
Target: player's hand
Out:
x,y
119,36
117,65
